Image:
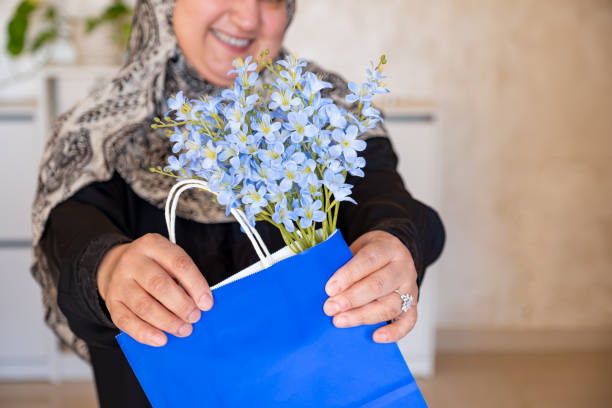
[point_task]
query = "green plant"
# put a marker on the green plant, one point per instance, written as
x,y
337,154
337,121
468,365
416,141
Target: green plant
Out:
x,y
55,26
119,13
20,21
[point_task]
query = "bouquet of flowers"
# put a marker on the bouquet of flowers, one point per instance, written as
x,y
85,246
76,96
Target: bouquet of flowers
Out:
x,y
279,152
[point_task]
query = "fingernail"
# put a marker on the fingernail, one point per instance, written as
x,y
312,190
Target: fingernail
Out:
x,y
383,337
205,302
194,316
184,330
331,308
332,288
158,339
341,321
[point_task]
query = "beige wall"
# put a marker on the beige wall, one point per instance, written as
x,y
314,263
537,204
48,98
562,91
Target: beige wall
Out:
x,y
524,96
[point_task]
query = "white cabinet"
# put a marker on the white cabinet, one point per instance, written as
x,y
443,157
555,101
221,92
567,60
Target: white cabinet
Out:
x,y
19,157
25,341
28,349
413,132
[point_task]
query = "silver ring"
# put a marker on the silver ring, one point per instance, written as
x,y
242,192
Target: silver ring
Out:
x,y
407,300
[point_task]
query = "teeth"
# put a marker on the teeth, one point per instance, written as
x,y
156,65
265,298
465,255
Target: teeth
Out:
x,y
236,42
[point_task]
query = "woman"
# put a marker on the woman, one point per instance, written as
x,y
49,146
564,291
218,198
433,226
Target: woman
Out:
x,y
100,254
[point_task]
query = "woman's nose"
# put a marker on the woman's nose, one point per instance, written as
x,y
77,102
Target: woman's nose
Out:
x,y
245,14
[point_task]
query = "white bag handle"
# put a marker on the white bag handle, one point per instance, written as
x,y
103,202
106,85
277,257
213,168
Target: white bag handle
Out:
x,y
172,202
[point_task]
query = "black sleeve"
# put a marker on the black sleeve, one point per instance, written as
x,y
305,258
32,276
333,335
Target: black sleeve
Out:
x,y
384,204
77,235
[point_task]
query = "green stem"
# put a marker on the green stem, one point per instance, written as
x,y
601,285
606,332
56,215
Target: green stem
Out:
x,y
286,235
337,204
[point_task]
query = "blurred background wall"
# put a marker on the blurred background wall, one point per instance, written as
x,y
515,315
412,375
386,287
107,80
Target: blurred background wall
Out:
x,y
523,91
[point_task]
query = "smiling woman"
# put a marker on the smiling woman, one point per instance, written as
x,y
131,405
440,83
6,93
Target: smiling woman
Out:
x,y
214,33
98,219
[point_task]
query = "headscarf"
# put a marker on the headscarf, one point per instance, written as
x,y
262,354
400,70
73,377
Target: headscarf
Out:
x,y
110,131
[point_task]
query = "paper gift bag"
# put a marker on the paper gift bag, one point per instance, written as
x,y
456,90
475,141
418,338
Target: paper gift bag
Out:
x,y
268,343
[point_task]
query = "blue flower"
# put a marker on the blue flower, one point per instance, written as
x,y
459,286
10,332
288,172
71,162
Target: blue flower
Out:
x,y
335,183
254,198
291,175
210,154
375,80
179,165
371,112
176,164
270,156
321,141
299,127
284,99
283,215
309,211
228,198
244,79
177,103
238,96
244,66
274,193
235,116
207,104
293,69
337,117
348,142
266,174
218,180
265,127
361,94
354,167
229,151
313,190
313,85
179,139
292,62
309,176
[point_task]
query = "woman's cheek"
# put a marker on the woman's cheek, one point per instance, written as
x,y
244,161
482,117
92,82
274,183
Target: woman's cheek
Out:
x,y
273,31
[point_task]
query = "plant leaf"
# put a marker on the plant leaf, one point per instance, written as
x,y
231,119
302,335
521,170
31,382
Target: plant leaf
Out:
x,y
18,26
43,38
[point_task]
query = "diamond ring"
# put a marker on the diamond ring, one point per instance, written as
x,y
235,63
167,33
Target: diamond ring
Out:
x,y
407,300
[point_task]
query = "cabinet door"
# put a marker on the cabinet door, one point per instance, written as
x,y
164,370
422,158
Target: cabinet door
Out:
x,y
417,147
25,351
19,156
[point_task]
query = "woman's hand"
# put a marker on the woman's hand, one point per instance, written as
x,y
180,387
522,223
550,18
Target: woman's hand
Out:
x,y
362,291
150,285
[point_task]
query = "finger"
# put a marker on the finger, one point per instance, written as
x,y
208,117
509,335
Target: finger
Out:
x,y
360,243
162,287
380,310
368,259
151,311
399,328
139,330
175,260
373,286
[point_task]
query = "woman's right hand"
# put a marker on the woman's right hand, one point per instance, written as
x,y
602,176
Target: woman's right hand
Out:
x,y
150,286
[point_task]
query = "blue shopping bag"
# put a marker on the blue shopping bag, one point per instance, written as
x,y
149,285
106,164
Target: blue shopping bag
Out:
x,y
268,343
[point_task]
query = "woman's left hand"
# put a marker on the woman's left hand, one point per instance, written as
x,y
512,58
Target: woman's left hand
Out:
x,y
362,291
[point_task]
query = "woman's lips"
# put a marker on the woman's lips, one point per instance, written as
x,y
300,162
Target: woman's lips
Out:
x,y
236,43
